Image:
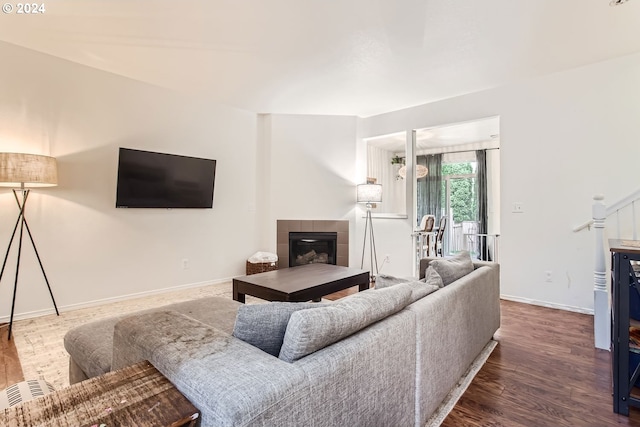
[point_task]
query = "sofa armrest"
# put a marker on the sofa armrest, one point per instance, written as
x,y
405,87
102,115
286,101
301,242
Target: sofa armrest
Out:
x,y
467,314
231,382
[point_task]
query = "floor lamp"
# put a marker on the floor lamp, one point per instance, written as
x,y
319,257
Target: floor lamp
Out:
x,y
22,171
369,194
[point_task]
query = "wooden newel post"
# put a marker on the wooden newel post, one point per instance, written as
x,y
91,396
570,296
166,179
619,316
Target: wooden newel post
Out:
x,y
602,316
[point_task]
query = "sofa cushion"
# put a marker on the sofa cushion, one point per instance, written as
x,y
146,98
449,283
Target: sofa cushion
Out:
x,y
311,330
264,325
431,277
384,281
452,269
91,345
419,288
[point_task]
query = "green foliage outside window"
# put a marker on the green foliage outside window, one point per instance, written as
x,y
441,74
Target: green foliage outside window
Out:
x,y
464,200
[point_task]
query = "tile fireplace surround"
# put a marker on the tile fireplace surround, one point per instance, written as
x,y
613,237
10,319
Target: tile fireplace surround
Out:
x,y
284,226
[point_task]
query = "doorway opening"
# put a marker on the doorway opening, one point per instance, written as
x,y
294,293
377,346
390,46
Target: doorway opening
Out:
x,y
462,185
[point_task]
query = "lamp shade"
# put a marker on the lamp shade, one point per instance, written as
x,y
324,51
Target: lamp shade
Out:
x,y
421,171
30,170
369,193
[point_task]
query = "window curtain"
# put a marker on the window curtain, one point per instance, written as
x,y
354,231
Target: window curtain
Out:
x,y
481,191
429,188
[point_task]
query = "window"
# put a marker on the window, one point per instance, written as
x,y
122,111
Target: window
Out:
x,y
459,192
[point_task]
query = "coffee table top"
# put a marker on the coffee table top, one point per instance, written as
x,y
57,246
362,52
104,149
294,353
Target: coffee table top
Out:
x,y
295,279
303,283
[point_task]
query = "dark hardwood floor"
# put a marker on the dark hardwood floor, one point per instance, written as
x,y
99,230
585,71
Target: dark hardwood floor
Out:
x,y
544,372
10,369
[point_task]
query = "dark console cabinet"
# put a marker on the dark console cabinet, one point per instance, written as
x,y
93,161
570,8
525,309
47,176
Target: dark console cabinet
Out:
x,y
625,354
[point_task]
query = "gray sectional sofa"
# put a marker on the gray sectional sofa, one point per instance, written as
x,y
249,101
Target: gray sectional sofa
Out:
x,y
382,357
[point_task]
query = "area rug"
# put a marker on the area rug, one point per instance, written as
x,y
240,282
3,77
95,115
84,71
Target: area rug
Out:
x,y
456,393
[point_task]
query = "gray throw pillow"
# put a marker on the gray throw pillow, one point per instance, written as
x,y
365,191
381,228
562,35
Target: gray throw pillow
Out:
x,y
264,325
431,277
452,269
311,330
384,281
419,288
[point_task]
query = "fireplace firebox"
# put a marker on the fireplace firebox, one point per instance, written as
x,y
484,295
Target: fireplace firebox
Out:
x,y
312,247
286,226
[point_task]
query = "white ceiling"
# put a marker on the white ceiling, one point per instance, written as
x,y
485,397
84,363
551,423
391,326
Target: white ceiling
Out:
x,y
353,57
472,135
463,133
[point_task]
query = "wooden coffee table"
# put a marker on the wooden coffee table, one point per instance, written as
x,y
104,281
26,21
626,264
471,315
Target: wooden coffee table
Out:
x,y
303,283
137,395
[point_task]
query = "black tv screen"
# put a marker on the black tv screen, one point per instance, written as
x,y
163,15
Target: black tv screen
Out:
x,y
157,180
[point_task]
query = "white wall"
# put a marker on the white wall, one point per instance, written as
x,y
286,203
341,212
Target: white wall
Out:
x,y
309,165
564,138
91,250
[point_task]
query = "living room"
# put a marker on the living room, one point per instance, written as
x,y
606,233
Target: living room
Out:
x,y
566,134
552,160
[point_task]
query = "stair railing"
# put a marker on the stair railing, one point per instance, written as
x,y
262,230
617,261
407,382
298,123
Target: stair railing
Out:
x,y
600,214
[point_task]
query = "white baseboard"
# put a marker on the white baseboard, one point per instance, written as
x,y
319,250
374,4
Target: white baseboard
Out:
x,y
548,304
95,303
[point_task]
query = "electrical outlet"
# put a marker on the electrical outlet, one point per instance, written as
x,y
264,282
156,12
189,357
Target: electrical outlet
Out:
x,y
387,259
185,263
518,207
548,276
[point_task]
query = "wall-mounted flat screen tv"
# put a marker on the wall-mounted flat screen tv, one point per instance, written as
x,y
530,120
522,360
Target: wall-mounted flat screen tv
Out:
x,y
158,180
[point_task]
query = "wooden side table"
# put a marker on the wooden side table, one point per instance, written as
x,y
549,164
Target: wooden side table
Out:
x,y
137,395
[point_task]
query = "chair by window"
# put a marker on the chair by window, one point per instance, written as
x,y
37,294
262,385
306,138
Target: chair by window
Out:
x,y
424,236
438,245
427,223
